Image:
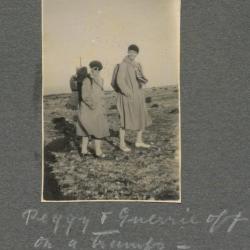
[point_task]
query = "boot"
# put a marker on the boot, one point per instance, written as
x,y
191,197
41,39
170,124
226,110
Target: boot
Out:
x,y
139,142
98,150
123,145
85,141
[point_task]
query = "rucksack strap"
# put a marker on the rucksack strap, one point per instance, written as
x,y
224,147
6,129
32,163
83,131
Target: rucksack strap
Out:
x,y
80,87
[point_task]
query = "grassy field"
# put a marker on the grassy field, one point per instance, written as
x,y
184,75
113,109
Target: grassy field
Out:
x,y
143,174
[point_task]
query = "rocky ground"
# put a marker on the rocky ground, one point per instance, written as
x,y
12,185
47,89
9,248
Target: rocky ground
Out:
x,y
143,174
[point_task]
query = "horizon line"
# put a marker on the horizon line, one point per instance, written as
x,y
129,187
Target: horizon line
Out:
x,y
110,89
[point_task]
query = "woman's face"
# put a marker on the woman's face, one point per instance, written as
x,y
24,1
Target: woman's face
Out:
x,y
95,71
132,55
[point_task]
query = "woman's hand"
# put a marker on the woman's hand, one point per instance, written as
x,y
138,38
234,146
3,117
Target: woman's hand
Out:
x,y
127,94
92,106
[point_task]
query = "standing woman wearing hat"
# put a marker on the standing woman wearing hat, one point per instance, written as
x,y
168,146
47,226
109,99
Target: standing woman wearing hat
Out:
x,y
92,121
131,100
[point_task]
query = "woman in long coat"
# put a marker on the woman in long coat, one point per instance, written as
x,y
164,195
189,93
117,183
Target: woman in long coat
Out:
x,y
131,100
92,120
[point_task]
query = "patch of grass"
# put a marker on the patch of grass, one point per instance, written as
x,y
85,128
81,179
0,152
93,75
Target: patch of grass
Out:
x,y
150,174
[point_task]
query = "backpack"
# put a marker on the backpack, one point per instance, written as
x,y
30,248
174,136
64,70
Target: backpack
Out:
x,y
114,79
76,88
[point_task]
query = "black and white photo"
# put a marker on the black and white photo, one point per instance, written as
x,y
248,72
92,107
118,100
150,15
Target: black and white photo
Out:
x,y
111,109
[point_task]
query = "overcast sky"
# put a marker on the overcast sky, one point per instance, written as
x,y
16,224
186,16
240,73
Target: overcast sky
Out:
x,y
102,30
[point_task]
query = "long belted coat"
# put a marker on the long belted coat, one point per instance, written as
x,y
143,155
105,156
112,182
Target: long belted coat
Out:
x,y
130,100
92,119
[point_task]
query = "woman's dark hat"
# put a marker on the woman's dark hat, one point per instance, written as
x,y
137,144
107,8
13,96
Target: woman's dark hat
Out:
x,y
96,64
134,48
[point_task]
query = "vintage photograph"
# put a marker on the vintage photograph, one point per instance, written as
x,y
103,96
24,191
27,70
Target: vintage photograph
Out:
x,y
111,102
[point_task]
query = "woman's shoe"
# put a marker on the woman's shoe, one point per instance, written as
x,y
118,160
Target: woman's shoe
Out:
x,y
102,155
142,145
124,148
84,154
